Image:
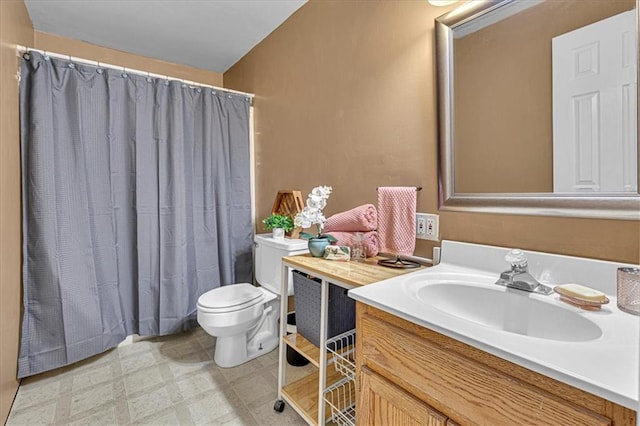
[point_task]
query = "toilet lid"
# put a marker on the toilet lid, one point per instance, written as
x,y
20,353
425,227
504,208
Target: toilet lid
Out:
x,y
230,297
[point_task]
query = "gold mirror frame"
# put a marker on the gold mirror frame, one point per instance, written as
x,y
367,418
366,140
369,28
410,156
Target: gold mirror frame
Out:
x,y
625,207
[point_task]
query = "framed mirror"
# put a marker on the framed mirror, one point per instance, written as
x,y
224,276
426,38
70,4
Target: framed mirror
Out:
x,y
538,108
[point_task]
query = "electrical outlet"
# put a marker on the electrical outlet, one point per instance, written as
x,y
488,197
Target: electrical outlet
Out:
x,y
433,231
421,226
427,227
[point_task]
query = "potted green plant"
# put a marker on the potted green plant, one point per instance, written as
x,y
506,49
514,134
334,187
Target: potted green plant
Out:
x,y
278,224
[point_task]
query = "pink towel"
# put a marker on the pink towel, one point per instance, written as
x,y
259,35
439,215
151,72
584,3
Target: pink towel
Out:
x,y
397,219
370,241
359,219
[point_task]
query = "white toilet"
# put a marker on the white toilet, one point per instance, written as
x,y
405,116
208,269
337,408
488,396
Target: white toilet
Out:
x,y
244,318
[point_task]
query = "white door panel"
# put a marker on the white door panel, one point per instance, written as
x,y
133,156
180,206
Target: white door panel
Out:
x,y
595,107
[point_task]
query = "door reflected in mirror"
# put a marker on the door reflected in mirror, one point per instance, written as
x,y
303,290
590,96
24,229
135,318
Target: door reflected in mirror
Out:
x,y
538,111
545,99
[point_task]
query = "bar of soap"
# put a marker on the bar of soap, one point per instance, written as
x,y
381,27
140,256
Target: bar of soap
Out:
x,y
580,292
337,253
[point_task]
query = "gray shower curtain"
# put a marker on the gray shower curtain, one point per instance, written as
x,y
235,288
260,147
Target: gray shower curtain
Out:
x,y
136,200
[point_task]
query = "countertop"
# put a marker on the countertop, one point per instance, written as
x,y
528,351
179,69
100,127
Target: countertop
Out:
x,y
353,274
606,366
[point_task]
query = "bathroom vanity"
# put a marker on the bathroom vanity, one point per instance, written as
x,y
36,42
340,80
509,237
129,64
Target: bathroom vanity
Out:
x,y
447,346
306,394
412,375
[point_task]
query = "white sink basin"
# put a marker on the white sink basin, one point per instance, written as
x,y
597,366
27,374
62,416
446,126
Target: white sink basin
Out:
x,y
459,299
509,310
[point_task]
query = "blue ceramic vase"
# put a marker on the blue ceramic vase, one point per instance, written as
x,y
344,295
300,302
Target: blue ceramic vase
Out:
x,y
317,245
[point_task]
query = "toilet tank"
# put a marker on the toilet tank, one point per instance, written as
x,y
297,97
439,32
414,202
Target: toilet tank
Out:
x,y
268,266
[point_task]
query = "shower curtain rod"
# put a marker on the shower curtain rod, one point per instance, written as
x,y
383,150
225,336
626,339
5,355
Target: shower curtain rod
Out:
x,y
22,49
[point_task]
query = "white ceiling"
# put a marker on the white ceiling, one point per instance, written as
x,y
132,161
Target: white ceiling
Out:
x,y
207,34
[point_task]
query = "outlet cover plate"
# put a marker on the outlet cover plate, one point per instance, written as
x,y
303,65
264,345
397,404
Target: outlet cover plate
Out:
x,y
427,227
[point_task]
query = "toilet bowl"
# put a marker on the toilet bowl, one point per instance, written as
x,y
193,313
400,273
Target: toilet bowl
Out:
x,y
244,318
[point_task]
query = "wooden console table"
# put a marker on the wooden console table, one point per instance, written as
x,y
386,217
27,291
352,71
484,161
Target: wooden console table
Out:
x,y
305,395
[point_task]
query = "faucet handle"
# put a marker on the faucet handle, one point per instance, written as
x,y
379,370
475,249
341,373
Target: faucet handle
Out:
x,y
517,258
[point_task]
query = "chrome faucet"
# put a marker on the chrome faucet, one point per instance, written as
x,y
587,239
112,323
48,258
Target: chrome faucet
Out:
x,y
518,276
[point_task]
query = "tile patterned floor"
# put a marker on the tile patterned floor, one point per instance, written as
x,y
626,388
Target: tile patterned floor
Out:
x,y
168,380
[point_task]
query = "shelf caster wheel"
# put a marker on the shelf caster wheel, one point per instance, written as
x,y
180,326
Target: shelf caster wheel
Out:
x,y
279,406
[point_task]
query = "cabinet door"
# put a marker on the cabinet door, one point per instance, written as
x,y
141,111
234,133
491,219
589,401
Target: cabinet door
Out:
x,y
383,403
466,390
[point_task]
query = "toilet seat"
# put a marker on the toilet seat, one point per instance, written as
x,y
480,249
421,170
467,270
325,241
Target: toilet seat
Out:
x,y
230,298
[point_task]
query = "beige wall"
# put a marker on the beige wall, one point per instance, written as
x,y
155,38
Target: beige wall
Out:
x,y
15,28
345,96
503,96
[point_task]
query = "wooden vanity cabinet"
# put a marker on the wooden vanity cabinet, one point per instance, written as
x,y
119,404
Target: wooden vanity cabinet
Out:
x,y
409,374
390,405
